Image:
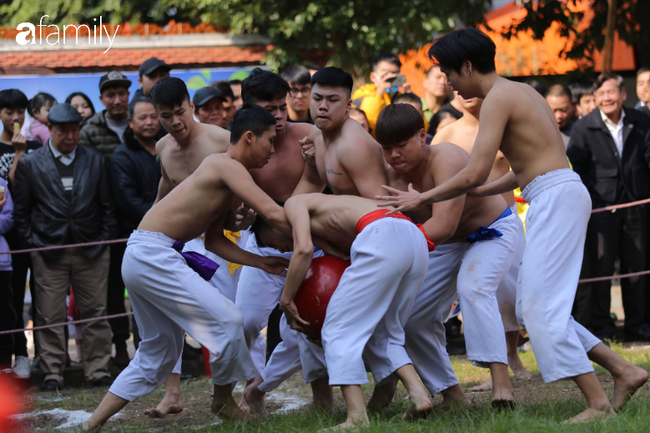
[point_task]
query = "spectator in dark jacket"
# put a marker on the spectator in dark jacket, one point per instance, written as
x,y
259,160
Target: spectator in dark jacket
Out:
x,y
62,196
105,130
134,173
7,313
610,150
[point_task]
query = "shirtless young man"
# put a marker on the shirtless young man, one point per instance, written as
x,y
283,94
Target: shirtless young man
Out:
x,y
368,310
259,292
517,120
180,153
169,292
477,240
463,134
349,161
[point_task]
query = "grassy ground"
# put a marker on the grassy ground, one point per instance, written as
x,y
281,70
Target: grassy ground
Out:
x,y
541,408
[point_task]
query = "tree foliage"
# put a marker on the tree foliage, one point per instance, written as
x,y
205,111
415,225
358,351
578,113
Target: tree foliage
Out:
x,y
348,33
541,14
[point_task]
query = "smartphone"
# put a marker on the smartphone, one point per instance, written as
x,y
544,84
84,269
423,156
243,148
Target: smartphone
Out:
x,y
396,83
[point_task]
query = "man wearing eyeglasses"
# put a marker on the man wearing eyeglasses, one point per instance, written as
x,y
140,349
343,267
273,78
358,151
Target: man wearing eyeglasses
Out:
x,y
298,98
610,150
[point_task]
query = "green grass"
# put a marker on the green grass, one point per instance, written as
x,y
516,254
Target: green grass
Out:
x,y
541,408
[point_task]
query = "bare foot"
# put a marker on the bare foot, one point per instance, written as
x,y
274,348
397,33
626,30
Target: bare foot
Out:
x,y
626,384
518,370
229,410
348,425
420,406
254,398
90,427
503,399
169,405
485,386
592,415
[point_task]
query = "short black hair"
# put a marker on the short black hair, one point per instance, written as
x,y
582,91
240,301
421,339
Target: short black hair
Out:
x,y
297,75
642,69
402,98
223,86
438,117
559,90
452,49
263,85
397,123
68,100
386,57
579,90
39,101
234,81
13,99
259,227
250,117
135,101
332,76
170,92
609,76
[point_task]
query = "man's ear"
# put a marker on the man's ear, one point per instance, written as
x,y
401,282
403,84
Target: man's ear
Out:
x,y
467,67
250,137
423,136
373,77
624,93
50,127
192,107
348,106
140,81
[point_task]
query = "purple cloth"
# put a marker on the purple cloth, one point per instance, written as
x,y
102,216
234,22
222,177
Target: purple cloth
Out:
x,y
198,262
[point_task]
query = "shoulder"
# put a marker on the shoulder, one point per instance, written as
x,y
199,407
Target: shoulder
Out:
x,y
445,153
121,151
162,143
34,145
91,154
356,140
300,129
216,132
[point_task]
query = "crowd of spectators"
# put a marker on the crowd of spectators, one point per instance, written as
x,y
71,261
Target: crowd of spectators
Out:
x,y
72,175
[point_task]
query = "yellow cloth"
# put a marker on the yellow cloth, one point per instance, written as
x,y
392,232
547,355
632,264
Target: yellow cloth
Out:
x,y
232,236
367,99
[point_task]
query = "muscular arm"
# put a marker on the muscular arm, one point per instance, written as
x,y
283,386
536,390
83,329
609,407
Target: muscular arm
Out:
x,y
240,182
493,121
364,164
506,184
445,216
310,180
297,213
164,186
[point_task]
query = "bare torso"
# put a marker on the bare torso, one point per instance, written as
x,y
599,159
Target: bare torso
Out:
x,y
199,203
477,211
463,134
179,162
353,148
531,141
280,176
334,218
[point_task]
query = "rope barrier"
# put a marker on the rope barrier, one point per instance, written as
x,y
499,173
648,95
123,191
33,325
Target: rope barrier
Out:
x,y
621,206
74,322
115,241
58,247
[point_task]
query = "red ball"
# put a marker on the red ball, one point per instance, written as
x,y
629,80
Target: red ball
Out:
x,y
317,288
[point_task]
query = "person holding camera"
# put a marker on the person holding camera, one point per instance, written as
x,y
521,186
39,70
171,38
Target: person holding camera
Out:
x,y
386,83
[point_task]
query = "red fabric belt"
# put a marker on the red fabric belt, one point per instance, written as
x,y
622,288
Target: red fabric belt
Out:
x,y
381,213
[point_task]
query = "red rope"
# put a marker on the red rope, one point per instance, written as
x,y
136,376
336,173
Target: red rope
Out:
x,y
75,322
621,206
58,247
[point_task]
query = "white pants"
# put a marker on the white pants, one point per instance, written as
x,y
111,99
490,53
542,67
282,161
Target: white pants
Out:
x,y
168,298
222,280
483,267
257,295
425,329
556,225
369,309
507,291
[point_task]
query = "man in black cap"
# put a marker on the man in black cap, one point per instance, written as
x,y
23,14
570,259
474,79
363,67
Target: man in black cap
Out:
x,y
62,196
105,130
208,107
151,70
